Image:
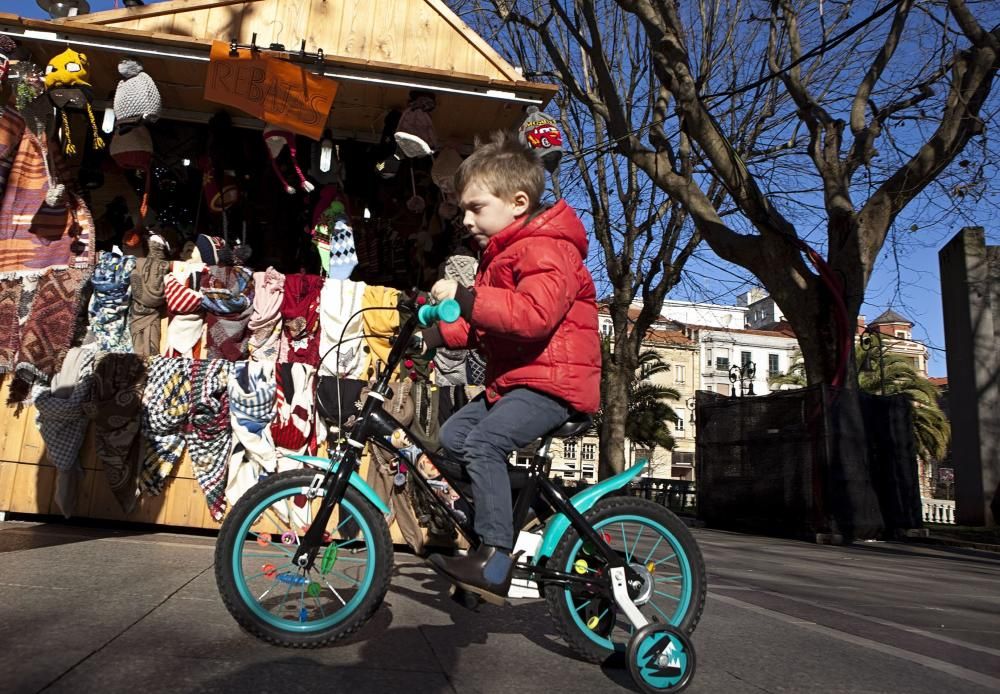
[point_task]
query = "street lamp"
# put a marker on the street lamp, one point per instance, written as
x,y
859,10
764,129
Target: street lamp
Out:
x,y
871,339
58,9
690,405
745,375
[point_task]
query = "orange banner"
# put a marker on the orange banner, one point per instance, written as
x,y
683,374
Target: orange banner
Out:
x,y
273,90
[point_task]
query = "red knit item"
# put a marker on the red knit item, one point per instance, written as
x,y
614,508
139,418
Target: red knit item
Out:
x,y
300,314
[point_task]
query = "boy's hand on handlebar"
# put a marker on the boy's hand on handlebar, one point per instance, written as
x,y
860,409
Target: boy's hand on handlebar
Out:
x,y
444,289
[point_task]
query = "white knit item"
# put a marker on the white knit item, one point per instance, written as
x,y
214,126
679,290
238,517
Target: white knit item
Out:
x,y
251,410
137,98
338,301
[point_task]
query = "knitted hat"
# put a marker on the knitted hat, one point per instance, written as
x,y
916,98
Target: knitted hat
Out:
x,y
210,248
133,149
7,48
446,164
66,78
136,97
415,133
276,140
540,132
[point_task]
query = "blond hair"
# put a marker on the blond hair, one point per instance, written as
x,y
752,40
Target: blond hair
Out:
x,y
504,165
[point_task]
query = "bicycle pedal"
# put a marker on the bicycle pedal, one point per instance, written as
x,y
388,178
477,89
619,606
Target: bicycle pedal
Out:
x,y
466,599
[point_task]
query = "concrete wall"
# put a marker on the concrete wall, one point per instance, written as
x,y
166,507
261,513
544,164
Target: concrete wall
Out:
x,y
970,294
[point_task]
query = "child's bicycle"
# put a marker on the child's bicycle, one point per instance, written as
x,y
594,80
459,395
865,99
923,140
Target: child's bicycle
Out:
x,y
305,557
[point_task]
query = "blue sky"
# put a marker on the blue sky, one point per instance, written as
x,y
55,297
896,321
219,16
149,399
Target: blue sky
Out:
x,y
906,278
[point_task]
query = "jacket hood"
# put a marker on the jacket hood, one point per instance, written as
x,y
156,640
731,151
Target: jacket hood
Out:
x,y
558,222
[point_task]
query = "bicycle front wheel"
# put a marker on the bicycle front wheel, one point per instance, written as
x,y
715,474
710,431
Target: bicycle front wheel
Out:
x,y
284,604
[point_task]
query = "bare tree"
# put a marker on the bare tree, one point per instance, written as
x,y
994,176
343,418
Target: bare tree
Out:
x,y
855,108
643,236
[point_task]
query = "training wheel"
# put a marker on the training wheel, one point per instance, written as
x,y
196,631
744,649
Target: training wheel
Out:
x,y
660,659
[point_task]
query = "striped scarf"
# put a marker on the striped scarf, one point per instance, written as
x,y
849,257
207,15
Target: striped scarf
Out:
x,y
109,304
184,309
148,298
227,297
167,401
265,320
116,407
300,316
252,392
208,433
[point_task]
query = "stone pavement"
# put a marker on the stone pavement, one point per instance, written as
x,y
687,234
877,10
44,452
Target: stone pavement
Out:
x,y
91,610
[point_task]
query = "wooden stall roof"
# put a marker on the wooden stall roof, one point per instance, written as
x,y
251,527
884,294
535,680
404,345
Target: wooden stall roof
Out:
x,y
378,50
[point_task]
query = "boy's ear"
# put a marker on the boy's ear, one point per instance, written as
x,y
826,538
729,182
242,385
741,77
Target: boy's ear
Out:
x,y
521,203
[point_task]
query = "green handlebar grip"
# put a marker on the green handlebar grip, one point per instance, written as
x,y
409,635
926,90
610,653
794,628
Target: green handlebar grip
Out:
x,y
447,311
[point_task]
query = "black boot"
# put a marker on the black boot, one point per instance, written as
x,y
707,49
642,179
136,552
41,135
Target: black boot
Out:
x,y
485,571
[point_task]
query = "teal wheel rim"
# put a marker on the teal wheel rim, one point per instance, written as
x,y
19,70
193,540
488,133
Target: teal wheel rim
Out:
x,y
300,596
663,661
672,579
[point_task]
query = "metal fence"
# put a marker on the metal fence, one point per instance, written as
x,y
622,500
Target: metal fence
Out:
x,y
680,496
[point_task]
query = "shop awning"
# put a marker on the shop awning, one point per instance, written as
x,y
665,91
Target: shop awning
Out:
x,y
378,51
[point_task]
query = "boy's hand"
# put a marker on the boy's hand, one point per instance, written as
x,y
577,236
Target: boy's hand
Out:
x,y
444,289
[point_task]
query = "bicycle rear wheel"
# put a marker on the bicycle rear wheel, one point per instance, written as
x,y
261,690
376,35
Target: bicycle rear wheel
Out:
x,y
287,605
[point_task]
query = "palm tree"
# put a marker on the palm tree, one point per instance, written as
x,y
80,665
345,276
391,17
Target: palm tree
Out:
x,y
650,417
931,428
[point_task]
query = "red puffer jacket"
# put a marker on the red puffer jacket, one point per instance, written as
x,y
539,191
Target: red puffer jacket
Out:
x,y
535,311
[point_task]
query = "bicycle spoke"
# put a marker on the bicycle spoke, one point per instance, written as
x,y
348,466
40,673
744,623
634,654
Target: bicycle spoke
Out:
x,y
346,577
636,545
334,591
672,556
667,595
264,573
628,557
584,605
658,541
668,579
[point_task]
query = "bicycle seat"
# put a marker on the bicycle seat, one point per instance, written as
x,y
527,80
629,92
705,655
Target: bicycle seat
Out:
x,y
577,424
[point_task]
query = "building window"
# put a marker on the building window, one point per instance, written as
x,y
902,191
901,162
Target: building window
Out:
x,y
722,363
607,328
708,354
679,424
772,365
589,451
523,460
568,475
683,458
678,373
588,471
722,389
569,450
745,358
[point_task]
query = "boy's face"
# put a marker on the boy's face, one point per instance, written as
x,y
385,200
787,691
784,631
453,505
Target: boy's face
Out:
x,y
486,215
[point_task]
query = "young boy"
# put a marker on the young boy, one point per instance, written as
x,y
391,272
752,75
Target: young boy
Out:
x,y
533,314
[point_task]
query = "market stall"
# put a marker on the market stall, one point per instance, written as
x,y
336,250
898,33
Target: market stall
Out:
x,y
196,198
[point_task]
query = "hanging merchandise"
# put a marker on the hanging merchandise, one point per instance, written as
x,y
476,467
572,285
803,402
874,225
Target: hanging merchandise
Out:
x,y
277,140
300,319
62,422
415,203
12,128
338,402
390,156
109,304
207,431
116,407
7,49
67,86
166,406
341,344
541,132
325,166
415,133
252,401
10,332
132,149
292,427
265,318
446,164
333,235
186,317
148,297
451,365
227,297
137,99
379,325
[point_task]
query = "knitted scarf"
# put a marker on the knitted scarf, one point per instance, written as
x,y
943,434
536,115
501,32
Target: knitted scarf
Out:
x,y
109,304
115,407
339,301
63,423
148,298
184,310
227,297
252,391
48,330
207,431
292,428
10,332
265,319
300,315
167,404
379,326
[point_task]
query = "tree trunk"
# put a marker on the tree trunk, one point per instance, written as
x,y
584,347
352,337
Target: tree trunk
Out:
x,y
614,404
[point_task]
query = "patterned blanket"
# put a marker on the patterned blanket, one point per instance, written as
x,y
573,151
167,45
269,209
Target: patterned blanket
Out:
x,y
109,304
227,297
10,332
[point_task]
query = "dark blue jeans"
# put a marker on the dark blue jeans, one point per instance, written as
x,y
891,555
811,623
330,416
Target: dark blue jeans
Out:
x,y
483,436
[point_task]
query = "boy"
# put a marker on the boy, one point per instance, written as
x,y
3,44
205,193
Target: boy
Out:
x,y
533,314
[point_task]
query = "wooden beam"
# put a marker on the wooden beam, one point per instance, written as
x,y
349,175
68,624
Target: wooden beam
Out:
x,y
155,10
476,40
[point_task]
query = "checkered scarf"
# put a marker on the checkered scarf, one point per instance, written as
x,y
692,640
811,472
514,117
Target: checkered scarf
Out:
x,y
167,400
115,407
252,391
207,431
227,297
110,302
61,418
